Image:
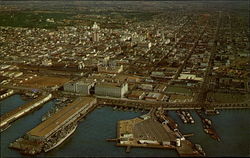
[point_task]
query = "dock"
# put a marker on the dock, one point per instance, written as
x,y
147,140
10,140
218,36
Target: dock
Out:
x,y
6,93
53,131
22,110
153,131
147,105
208,127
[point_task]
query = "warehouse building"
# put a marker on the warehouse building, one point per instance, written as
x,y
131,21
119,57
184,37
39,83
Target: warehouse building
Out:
x,y
69,87
84,87
111,89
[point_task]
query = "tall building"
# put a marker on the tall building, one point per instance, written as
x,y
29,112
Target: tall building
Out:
x,y
95,35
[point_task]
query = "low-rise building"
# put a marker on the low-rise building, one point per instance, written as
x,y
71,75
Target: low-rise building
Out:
x,y
154,96
136,95
146,87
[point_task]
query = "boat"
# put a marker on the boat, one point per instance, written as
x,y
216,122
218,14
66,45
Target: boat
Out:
x,y
208,122
212,112
61,140
199,149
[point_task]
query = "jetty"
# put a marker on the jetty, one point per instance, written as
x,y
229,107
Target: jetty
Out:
x,y
57,128
22,110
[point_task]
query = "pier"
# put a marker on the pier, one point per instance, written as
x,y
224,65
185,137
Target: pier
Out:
x,y
57,128
154,130
6,93
22,110
142,104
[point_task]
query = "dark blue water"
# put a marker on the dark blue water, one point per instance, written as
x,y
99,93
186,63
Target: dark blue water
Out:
x,y
91,134
21,126
233,127
90,137
11,103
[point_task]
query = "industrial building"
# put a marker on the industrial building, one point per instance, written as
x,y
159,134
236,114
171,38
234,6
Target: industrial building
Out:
x,y
82,86
111,89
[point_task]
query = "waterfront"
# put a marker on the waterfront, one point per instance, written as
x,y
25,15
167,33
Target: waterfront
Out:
x,y
11,103
231,125
90,137
19,127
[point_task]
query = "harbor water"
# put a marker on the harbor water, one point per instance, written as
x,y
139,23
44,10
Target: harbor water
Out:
x,y
11,103
89,139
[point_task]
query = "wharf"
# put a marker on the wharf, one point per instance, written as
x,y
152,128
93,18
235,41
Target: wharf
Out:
x,y
66,115
186,149
53,131
208,127
147,132
143,104
6,93
20,111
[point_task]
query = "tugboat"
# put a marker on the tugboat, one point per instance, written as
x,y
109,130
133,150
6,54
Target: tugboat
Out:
x,y
199,149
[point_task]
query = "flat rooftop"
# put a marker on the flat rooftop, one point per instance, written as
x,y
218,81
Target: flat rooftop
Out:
x,y
58,119
109,84
150,129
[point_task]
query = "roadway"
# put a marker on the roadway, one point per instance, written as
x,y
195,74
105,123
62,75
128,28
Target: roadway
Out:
x,y
202,96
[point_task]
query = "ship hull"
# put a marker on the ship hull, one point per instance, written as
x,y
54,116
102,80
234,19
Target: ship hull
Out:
x,y
62,140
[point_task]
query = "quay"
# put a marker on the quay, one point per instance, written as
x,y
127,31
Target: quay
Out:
x,y
208,127
6,93
154,130
57,128
142,104
20,111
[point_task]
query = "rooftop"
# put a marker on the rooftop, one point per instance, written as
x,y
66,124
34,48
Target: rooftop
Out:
x,y
58,119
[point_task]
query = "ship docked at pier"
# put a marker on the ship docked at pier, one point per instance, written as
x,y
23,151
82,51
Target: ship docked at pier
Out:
x,y
56,129
68,133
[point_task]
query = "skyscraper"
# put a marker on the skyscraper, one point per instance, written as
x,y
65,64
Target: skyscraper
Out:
x,y
96,29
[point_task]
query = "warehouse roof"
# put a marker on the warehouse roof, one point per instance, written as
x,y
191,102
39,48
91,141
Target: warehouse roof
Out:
x,y
58,119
